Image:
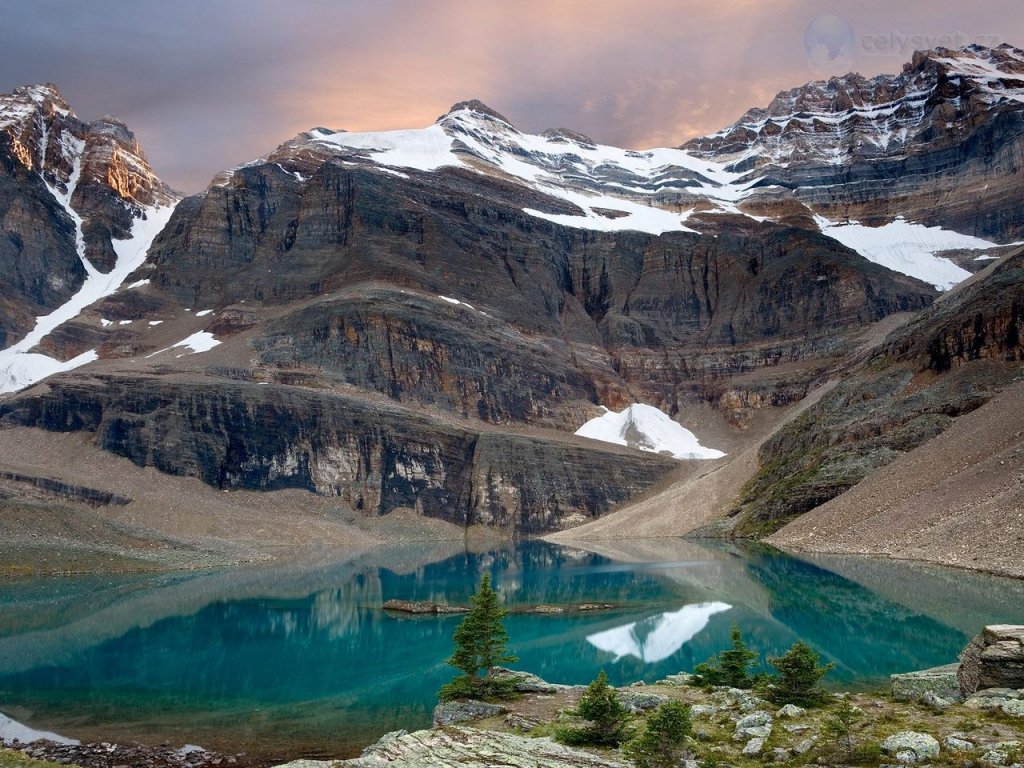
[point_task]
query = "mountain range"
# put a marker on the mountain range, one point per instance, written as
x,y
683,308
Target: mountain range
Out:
x,y
397,334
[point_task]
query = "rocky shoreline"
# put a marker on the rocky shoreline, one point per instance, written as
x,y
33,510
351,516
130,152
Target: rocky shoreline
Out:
x,y
108,755
965,714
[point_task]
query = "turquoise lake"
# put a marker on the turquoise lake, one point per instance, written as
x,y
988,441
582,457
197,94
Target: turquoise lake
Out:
x,y
288,661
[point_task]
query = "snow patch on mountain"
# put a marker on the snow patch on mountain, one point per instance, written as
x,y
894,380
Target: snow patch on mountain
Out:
x,y
908,248
20,368
201,341
425,149
648,429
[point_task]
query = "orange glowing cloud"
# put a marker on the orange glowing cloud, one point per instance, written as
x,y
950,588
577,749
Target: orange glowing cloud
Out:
x,y
209,85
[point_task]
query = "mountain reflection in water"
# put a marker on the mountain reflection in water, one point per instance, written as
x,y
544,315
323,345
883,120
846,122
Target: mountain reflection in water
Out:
x,y
657,637
301,659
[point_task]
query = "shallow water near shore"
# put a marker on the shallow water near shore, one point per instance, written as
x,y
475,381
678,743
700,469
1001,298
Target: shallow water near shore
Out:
x,y
303,661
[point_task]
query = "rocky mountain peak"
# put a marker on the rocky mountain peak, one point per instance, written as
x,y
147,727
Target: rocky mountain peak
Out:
x,y
939,95
476,107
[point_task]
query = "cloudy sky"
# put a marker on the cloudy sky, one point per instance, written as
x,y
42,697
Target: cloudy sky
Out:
x,y
207,84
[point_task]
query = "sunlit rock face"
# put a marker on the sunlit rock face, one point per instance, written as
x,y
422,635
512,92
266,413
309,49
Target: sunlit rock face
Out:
x,y
47,154
657,637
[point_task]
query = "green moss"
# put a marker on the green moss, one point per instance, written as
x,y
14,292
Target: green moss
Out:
x,y
11,758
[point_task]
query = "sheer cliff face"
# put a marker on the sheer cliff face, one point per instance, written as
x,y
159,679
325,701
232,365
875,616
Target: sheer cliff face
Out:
x,y
46,152
940,143
419,318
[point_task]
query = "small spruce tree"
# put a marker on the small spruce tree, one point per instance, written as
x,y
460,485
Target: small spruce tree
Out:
x,y
799,677
662,743
479,646
839,727
731,667
607,717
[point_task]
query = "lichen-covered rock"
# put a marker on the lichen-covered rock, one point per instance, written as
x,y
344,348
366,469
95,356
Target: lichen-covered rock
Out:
x,y
526,682
702,710
755,725
912,686
753,747
468,748
957,744
995,757
920,746
452,712
936,702
993,659
636,701
1013,707
791,710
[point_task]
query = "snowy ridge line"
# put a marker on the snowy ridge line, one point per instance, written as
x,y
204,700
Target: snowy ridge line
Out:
x,y
591,176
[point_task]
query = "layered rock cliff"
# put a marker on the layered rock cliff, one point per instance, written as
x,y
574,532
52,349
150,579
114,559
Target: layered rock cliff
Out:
x,y
409,319
373,456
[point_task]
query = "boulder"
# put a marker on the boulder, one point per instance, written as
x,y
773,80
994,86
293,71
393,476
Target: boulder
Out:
x,y
753,747
703,709
1013,707
755,725
452,712
635,701
993,659
911,747
956,744
941,681
526,682
678,679
792,710
936,702
455,746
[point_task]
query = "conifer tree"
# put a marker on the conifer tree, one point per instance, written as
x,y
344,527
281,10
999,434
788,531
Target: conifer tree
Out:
x,y
662,743
479,646
607,717
799,677
731,667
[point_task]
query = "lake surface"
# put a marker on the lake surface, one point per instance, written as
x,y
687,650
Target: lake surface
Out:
x,y
289,661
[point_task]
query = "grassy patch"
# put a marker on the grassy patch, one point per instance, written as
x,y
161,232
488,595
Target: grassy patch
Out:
x,y
12,758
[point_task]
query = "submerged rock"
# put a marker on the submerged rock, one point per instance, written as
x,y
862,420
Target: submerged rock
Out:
x,y
413,606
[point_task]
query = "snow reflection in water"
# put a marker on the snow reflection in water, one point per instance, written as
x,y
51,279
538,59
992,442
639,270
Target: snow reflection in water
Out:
x,y
657,637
